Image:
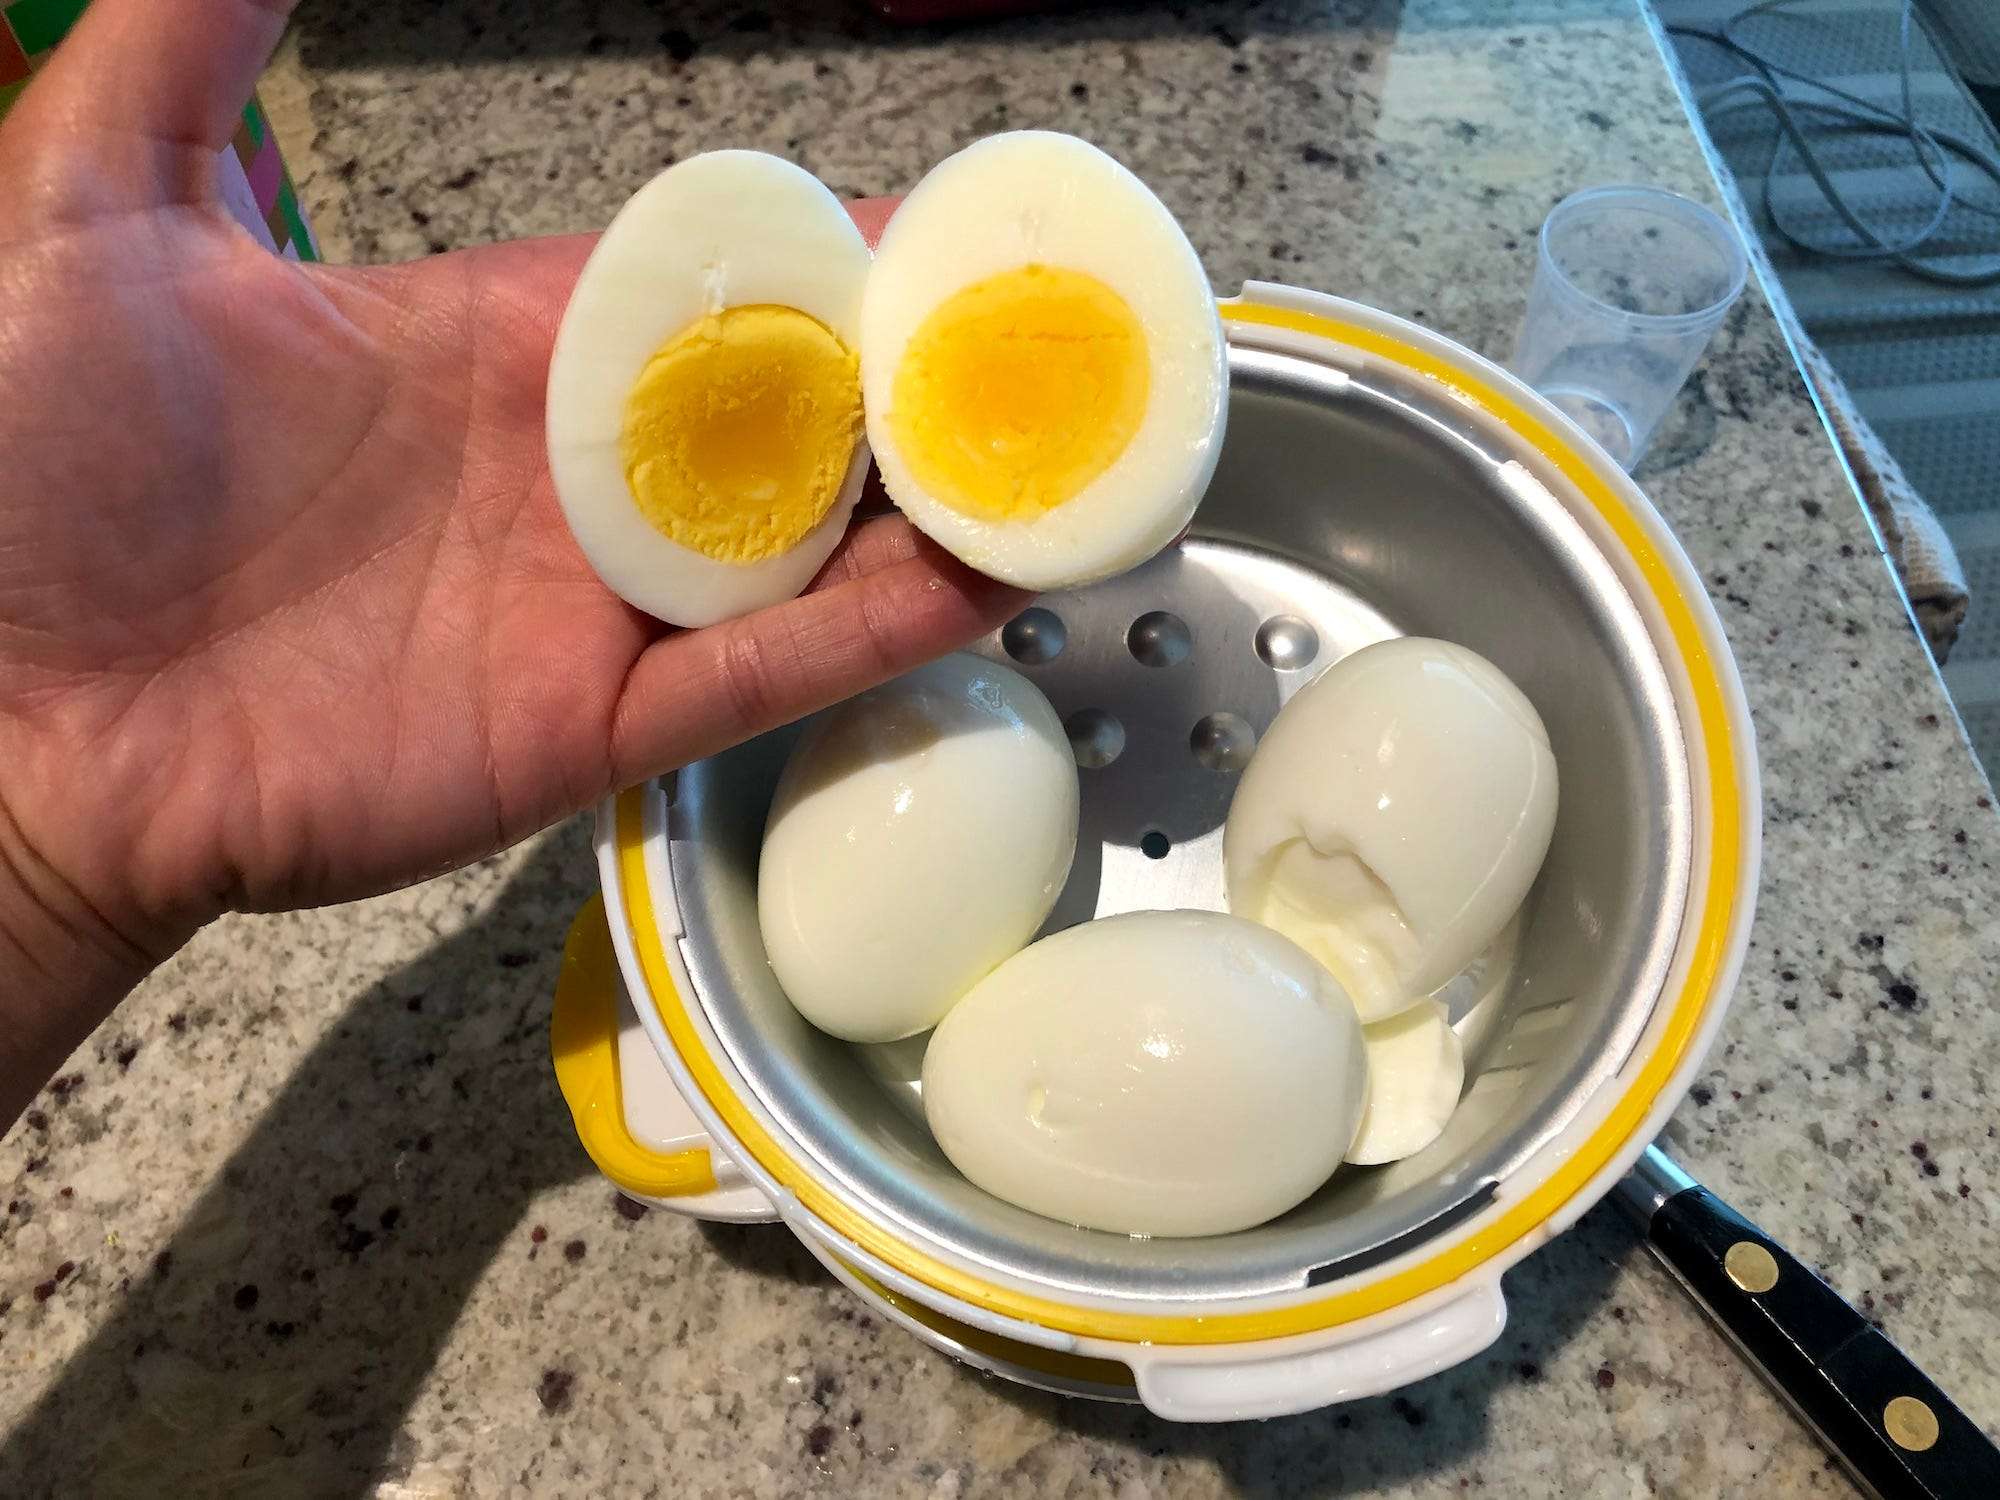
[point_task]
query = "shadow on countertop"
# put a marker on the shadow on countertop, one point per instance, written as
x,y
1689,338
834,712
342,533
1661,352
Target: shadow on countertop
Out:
x,y
1385,1440
360,33
287,1326
281,1335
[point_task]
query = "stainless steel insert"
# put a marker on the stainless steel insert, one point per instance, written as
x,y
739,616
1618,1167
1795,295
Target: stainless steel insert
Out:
x,y
1351,504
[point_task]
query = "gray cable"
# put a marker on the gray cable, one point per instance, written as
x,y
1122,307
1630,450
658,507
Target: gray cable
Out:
x,y
1934,148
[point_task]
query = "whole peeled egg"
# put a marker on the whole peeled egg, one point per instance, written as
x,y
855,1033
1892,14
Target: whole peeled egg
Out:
x,y
1043,364
920,833
704,397
1394,817
1160,1073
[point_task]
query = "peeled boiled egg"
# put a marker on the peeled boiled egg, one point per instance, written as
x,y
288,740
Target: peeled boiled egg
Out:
x,y
1416,1071
919,834
1042,363
1394,817
1160,1073
704,398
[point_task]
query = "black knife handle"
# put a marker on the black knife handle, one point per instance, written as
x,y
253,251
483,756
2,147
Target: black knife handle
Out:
x,y
1896,1432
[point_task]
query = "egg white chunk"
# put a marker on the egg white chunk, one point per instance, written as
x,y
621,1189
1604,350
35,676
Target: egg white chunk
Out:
x,y
1040,198
722,230
1159,1073
920,833
1416,1072
1394,817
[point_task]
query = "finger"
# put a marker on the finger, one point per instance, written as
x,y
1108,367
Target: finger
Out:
x,y
150,83
868,547
532,278
871,216
701,691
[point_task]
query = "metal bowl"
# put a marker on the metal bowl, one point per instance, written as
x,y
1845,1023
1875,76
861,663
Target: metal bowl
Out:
x,y
1356,499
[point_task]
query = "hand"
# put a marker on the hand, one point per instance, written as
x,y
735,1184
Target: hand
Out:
x,y
288,613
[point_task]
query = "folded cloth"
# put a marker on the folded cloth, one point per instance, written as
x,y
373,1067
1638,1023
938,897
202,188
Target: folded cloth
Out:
x,y
1925,560
1751,142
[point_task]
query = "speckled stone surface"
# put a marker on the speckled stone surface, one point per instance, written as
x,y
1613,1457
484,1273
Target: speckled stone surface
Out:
x,y
307,1216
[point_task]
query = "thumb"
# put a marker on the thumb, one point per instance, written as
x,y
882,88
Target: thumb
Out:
x,y
145,92
871,216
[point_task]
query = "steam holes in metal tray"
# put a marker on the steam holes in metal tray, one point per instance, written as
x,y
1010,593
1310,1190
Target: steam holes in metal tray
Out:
x,y
1034,637
1095,737
1159,638
1285,643
1222,741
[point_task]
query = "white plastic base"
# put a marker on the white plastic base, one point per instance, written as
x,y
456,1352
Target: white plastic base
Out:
x,y
1285,1384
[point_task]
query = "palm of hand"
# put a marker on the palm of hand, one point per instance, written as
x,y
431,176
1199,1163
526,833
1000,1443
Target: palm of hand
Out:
x,y
288,612
285,597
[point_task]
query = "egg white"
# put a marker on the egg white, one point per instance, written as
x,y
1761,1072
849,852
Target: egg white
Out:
x,y
1416,1071
1038,197
920,833
1394,818
1159,1072
721,230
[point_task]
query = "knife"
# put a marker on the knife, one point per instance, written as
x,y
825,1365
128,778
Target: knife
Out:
x,y
1896,1433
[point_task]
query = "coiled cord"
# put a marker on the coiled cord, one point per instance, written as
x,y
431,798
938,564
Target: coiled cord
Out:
x,y
1934,148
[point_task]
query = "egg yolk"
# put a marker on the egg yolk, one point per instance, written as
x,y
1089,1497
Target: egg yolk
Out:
x,y
1017,391
739,432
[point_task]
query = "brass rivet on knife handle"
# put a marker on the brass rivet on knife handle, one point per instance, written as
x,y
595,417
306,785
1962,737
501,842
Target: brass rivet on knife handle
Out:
x,y
1910,1423
1750,1266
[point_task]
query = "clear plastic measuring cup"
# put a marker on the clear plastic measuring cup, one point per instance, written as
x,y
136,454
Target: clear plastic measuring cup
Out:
x,y
1630,283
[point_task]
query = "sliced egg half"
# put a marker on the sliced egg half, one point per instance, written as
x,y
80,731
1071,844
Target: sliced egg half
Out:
x,y
704,399
1042,362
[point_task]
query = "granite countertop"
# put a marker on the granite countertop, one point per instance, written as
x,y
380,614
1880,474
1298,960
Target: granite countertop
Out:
x,y
307,1215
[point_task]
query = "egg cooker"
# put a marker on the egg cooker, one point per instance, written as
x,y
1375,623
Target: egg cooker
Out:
x,y
1377,479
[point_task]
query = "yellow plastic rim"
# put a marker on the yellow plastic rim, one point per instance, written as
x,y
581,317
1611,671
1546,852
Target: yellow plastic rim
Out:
x,y
1708,957
583,1041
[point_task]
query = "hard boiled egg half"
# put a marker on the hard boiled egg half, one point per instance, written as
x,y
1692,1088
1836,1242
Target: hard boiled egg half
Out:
x,y
1036,351
704,397
1042,364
